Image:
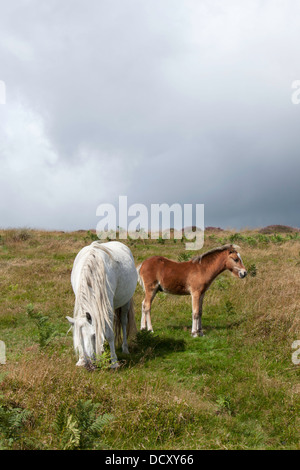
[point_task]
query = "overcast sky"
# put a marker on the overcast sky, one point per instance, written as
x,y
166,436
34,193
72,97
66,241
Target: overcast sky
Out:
x,y
160,100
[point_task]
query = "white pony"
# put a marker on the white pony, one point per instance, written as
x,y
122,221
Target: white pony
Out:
x,y
104,279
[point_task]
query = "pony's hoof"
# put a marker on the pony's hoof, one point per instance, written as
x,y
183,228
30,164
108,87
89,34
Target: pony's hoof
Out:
x,y
125,351
115,365
81,363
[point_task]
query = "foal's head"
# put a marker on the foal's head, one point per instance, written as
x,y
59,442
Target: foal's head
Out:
x,y
84,339
234,262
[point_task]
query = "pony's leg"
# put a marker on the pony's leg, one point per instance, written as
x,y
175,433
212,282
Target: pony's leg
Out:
x,y
102,344
197,300
124,320
110,337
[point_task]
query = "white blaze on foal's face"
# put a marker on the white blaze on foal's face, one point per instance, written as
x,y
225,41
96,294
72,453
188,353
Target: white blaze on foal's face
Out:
x,y
242,270
236,265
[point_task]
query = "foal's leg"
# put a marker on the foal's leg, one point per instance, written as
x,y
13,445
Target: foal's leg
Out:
x,y
143,318
200,331
124,320
197,300
146,309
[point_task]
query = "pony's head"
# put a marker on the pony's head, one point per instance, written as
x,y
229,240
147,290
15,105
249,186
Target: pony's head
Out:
x,y
234,262
84,338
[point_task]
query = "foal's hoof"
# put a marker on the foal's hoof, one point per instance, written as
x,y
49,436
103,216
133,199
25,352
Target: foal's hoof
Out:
x,y
125,351
195,334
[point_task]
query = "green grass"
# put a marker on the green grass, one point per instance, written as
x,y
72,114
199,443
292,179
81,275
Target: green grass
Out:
x,y
234,388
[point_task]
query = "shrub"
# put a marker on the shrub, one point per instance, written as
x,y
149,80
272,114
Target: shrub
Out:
x,y
12,423
184,256
18,235
91,236
79,428
251,241
46,331
276,238
252,270
261,238
236,237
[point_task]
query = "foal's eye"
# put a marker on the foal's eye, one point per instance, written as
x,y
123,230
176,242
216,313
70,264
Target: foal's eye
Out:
x,y
236,260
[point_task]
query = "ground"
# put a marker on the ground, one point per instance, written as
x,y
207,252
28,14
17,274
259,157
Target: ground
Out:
x,y
235,388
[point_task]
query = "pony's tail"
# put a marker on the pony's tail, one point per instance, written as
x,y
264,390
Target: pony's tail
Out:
x,y
131,325
140,279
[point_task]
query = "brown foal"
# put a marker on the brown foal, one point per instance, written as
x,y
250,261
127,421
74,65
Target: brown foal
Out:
x,y
186,278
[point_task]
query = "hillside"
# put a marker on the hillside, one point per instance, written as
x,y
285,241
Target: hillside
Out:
x,y
235,388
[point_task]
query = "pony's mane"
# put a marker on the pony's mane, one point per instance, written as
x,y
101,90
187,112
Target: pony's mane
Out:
x,y
219,249
98,245
92,296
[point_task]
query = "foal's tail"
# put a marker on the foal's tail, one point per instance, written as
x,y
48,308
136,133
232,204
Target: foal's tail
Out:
x,y
140,279
131,325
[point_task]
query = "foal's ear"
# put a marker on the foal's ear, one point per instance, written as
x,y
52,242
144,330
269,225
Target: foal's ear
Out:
x,y
70,320
233,248
88,317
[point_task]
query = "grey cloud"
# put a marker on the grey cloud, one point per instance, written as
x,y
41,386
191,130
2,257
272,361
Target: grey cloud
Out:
x,y
162,101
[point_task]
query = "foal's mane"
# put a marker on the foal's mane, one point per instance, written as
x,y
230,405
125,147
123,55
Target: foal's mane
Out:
x,y
215,251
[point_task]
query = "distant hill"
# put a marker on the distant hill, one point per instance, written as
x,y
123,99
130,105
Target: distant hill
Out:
x,y
278,229
214,229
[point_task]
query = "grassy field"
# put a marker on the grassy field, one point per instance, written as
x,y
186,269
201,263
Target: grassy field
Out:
x,y
235,388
